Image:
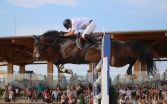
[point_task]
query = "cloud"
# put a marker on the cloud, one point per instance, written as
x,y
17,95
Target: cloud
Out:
x,y
38,3
38,30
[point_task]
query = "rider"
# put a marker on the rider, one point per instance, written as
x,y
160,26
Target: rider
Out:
x,y
76,24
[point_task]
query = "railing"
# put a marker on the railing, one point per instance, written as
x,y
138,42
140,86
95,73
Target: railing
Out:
x,y
67,80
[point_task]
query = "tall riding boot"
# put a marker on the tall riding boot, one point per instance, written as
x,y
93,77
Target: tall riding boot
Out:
x,y
82,41
90,39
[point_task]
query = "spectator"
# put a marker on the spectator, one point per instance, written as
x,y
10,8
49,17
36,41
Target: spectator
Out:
x,y
128,94
11,95
46,96
34,95
80,89
16,91
54,94
122,99
81,99
164,93
122,92
139,100
28,94
40,89
6,94
64,99
59,93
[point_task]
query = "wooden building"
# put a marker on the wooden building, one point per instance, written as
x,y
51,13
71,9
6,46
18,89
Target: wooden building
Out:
x,y
18,50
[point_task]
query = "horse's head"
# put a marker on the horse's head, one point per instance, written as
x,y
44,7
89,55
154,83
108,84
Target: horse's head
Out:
x,y
36,52
47,40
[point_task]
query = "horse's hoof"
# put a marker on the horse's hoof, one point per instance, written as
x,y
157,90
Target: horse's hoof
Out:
x,y
129,72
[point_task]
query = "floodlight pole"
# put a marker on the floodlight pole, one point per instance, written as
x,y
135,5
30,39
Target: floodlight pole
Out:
x,y
15,25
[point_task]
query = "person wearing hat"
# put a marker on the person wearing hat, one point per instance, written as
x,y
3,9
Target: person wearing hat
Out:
x,y
76,24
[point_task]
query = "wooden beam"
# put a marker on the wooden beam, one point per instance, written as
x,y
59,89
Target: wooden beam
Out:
x,y
50,72
122,37
25,42
160,59
90,67
10,68
22,69
20,53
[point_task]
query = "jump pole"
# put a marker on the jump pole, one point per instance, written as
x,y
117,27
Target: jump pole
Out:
x,y
104,78
105,73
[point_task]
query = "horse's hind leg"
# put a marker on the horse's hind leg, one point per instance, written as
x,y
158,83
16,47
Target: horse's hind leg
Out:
x,y
131,63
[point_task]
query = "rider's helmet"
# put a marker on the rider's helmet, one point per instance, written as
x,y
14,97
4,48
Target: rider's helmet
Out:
x,y
67,23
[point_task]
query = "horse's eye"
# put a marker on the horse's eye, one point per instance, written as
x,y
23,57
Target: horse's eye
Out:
x,y
42,38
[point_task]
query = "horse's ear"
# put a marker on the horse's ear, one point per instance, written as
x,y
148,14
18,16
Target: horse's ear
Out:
x,y
35,38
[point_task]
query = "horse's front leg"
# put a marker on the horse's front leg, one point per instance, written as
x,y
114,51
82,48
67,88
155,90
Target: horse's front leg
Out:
x,y
64,70
131,63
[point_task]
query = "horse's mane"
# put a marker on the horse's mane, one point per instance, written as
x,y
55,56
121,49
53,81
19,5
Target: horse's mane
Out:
x,y
51,33
54,33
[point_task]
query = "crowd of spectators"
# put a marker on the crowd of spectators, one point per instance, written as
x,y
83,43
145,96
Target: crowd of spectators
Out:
x,y
79,94
142,94
10,92
82,94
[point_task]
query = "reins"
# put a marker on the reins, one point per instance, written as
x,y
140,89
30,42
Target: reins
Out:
x,y
51,45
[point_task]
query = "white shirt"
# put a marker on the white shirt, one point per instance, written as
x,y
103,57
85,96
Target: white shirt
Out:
x,y
121,91
128,92
79,23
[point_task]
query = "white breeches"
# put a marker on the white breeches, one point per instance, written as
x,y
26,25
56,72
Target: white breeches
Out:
x,y
90,28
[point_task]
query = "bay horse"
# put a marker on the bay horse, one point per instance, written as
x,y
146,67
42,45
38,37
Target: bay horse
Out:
x,y
65,50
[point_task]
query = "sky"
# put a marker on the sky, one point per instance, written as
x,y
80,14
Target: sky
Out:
x,y
28,17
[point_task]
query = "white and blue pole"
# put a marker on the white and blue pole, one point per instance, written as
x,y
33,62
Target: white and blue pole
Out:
x,y
103,79
105,73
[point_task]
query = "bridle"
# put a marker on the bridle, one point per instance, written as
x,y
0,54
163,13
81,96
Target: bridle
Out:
x,y
37,43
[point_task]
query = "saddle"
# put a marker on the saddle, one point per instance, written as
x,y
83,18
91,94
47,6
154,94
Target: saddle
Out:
x,y
84,43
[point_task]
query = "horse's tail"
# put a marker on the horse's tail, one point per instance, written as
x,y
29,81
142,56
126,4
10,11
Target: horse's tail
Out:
x,y
145,55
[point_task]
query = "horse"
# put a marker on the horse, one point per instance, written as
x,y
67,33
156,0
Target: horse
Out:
x,y
65,50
